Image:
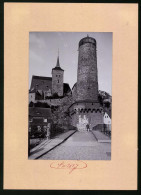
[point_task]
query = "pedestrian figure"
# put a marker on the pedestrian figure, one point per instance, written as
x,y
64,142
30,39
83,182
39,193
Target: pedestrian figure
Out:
x,y
88,128
48,131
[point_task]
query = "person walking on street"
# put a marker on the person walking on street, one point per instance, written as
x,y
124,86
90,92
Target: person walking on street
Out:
x,y
88,128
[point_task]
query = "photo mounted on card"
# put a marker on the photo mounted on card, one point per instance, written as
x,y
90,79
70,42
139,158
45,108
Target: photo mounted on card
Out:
x,y
70,88
70,116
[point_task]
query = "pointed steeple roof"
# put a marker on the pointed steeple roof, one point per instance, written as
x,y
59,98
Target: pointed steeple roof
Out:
x,y
58,63
57,67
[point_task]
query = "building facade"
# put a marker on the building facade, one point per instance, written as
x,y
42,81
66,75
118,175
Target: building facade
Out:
x,y
49,90
82,105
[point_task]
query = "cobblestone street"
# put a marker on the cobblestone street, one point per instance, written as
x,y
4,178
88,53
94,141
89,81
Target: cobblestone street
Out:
x,y
80,146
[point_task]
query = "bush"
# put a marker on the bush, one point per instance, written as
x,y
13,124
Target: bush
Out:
x,y
42,105
36,133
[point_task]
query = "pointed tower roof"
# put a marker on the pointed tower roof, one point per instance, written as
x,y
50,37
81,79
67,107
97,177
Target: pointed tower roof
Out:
x,y
57,67
58,63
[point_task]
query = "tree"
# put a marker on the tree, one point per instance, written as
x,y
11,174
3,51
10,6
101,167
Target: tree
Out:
x,y
100,99
107,104
31,104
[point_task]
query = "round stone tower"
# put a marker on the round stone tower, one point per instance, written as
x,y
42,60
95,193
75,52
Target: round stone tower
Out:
x,y
87,81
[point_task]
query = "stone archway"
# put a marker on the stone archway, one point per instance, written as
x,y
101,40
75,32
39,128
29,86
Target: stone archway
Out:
x,y
82,122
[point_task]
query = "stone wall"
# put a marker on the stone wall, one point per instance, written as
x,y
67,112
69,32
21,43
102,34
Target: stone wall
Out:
x,y
87,82
83,113
84,105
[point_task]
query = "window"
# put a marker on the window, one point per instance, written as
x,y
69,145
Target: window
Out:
x,y
56,75
39,128
58,81
47,86
45,120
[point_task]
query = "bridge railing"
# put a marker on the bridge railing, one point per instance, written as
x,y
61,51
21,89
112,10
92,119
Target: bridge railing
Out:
x,y
104,128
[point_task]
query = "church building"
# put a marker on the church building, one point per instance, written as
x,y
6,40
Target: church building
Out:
x,y
43,88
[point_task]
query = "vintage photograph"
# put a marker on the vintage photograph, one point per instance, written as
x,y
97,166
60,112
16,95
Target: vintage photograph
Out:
x,y
70,96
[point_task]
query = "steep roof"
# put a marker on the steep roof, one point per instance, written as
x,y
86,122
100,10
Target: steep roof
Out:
x,y
41,78
41,83
57,67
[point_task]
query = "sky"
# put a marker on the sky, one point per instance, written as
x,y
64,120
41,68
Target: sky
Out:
x,y
43,53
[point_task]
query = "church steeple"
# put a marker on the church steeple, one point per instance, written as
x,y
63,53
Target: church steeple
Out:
x,y
57,78
57,67
58,63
